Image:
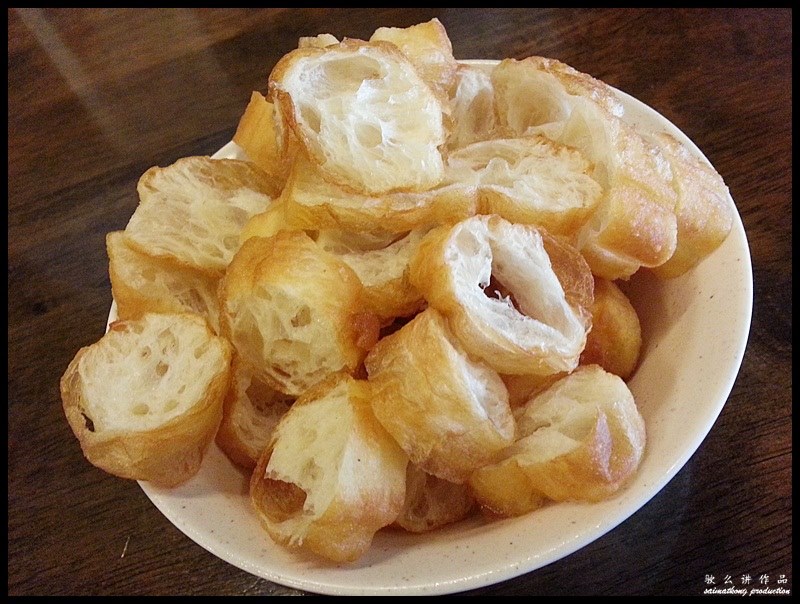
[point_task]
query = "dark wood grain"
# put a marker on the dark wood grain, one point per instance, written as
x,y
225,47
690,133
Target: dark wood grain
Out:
x,y
97,96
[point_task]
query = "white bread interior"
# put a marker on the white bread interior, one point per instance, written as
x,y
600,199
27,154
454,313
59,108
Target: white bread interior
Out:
x,y
363,114
146,399
537,91
472,109
581,439
530,180
294,312
331,476
502,296
194,209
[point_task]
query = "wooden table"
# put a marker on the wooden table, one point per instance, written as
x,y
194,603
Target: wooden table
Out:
x,y
98,96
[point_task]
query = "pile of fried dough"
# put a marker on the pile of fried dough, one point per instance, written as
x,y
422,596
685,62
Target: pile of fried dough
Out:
x,y
403,307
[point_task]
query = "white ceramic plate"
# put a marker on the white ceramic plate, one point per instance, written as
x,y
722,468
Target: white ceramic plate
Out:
x,y
694,328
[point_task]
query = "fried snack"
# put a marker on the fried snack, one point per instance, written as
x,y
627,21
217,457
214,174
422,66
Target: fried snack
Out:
x,y
431,502
429,49
251,410
515,296
522,388
634,225
380,259
193,210
257,134
471,107
537,91
626,232
331,476
529,180
382,269
267,223
312,202
504,489
616,337
141,283
581,439
450,414
318,41
704,215
294,312
146,399
363,115
385,180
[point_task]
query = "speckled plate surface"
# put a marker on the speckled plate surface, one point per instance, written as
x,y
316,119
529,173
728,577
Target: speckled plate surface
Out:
x,y
695,329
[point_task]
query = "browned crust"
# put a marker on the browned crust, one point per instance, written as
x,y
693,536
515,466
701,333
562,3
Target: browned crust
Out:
x,y
419,397
358,510
616,337
167,455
